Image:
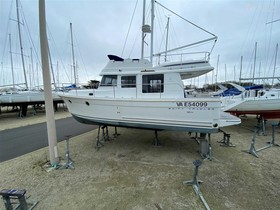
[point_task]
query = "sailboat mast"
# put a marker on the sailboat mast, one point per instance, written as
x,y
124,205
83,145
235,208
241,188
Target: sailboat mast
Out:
x,y
143,33
152,29
166,43
73,55
52,71
254,69
275,64
12,65
241,60
217,70
21,48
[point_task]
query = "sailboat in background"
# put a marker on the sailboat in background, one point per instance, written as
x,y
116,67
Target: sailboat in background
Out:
x,y
23,97
135,93
263,102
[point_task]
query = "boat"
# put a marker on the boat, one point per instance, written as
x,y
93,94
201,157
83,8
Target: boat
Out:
x,y
22,97
262,102
18,98
135,93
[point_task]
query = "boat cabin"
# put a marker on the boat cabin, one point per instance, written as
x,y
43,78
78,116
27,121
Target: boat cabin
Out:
x,y
136,78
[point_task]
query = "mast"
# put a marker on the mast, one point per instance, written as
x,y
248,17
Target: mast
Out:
x,y
12,65
166,43
241,59
32,76
234,73
143,33
21,48
254,69
57,74
52,71
225,73
217,72
152,29
73,55
275,64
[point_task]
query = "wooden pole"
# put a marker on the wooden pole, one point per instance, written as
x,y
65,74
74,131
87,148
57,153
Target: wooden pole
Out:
x,y
52,138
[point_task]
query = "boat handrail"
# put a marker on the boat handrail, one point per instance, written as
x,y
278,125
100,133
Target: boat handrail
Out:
x,y
180,57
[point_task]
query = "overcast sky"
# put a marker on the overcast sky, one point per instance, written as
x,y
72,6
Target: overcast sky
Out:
x,y
100,27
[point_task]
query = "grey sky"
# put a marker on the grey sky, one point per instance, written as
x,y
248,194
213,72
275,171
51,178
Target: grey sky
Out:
x,y
100,28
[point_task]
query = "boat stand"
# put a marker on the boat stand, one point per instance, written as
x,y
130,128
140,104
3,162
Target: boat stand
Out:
x,y
261,125
105,133
19,195
116,134
105,136
156,140
195,183
205,147
98,143
34,112
195,137
69,162
225,142
253,151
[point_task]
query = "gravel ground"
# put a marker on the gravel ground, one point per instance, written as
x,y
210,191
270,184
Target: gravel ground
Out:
x,y
130,173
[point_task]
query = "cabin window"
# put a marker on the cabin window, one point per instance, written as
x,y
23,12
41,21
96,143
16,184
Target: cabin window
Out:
x,y
109,80
128,81
152,83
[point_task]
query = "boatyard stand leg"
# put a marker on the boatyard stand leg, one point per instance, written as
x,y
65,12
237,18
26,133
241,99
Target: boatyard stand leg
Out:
x,y
210,147
195,181
272,143
225,142
69,163
273,134
261,125
205,146
116,134
105,133
34,110
195,137
156,140
252,149
98,144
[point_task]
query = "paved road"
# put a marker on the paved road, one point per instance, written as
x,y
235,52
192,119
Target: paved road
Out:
x,y
19,141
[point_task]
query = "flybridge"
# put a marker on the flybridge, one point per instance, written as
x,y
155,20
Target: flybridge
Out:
x,y
187,68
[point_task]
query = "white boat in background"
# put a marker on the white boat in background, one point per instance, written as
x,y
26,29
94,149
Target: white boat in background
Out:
x,y
134,93
22,97
264,103
17,98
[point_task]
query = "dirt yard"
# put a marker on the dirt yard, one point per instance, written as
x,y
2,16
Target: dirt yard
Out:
x,y
130,173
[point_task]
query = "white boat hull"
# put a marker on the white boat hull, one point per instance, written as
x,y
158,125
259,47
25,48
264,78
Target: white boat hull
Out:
x,y
267,105
23,97
172,114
